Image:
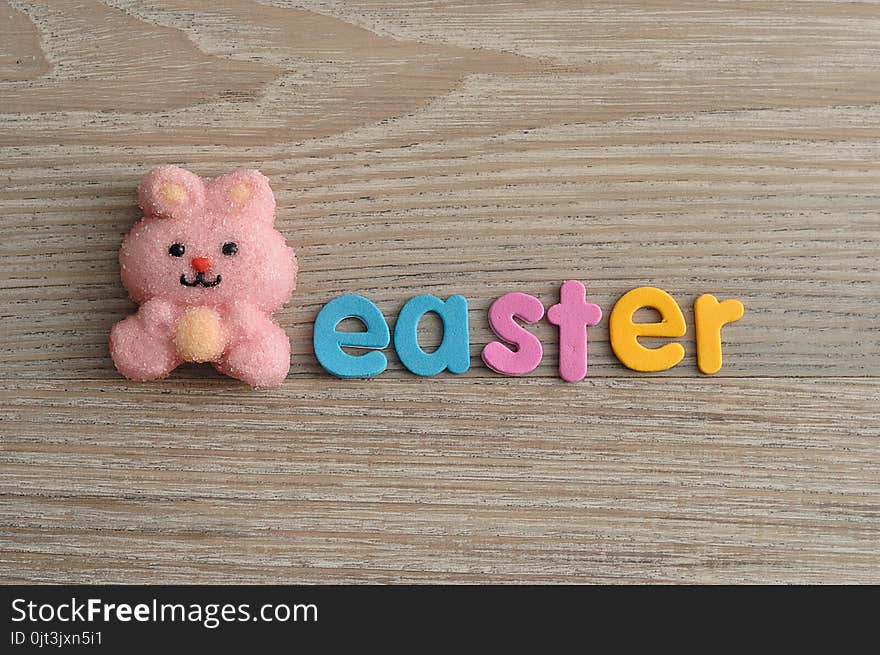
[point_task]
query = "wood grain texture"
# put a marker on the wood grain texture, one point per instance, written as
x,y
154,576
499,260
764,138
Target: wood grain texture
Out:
x,y
472,148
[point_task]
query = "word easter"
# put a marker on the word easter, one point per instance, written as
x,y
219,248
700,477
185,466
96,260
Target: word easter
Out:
x,y
208,269
573,315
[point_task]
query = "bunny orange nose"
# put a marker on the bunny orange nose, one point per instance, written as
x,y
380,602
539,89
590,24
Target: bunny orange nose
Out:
x,y
201,264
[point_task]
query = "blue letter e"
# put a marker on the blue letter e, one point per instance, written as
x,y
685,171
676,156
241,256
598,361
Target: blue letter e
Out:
x,y
328,342
454,351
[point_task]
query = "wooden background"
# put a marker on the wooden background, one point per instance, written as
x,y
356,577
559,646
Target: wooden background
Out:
x,y
474,148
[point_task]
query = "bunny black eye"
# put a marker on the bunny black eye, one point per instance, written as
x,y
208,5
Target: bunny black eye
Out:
x,y
177,250
230,248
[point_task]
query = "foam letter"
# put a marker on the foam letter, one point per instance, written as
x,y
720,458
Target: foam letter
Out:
x,y
573,314
453,354
709,316
328,342
528,353
624,332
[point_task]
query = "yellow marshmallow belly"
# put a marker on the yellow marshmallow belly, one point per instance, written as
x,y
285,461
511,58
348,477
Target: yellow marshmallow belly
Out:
x,y
199,336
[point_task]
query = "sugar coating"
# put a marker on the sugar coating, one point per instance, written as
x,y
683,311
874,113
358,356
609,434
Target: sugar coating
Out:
x,y
210,303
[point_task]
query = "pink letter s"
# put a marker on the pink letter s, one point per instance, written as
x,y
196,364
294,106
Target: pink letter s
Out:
x,y
528,353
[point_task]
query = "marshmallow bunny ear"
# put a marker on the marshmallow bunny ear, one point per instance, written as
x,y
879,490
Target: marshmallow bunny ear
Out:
x,y
171,192
245,194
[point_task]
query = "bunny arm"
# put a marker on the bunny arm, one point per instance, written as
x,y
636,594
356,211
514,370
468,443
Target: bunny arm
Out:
x,y
259,352
142,345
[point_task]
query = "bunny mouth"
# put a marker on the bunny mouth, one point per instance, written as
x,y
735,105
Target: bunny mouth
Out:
x,y
200,280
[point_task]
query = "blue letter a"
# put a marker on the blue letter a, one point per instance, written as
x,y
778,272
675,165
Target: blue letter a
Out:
x,y
454,351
